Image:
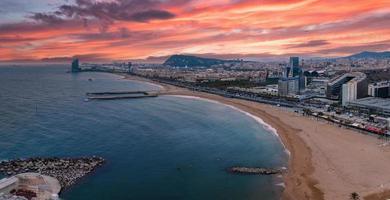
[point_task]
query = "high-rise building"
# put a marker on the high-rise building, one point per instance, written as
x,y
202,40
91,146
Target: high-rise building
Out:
x,y
380,89
293,80
129,66
294,67
302,82
283,87
287,72
288,86
348,87
294,61
349,92
75,65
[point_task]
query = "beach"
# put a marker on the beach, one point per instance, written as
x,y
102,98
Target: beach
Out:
x,y
182,148
326,161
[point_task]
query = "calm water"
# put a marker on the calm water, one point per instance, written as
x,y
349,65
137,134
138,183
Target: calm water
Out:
x,y
145,141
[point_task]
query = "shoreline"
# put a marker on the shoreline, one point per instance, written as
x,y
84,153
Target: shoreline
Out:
x,y
294,174
258,120
325,162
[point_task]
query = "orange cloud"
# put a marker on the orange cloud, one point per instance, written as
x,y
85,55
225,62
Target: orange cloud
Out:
x,y
267,27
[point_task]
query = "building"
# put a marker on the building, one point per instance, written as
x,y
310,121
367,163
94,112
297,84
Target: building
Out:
x,y
288,86
293,81
75,66
380,89
294,65
349,92
292,69
302,82
348,87
372,105
129,67
8,184
43,187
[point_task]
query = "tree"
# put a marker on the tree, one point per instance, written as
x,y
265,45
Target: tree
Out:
x,y
307,111
355,196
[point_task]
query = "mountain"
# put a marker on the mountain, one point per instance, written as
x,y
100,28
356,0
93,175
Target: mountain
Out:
x,y
192,61
370,54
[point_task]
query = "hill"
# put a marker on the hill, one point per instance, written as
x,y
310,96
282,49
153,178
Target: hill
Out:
x,y
370,54
192,61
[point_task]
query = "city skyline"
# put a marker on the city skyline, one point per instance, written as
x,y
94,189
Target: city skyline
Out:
x,y
135,29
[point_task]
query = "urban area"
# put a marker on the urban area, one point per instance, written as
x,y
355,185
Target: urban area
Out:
x,y
350,91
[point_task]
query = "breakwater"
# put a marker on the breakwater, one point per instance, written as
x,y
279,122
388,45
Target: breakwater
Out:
x,y
121,95
66,170
254,171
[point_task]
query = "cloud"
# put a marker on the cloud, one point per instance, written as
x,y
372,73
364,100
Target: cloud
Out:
x,y
148,15
42,26
46,18
120,29
107,12
351,49
64,59
83,57
122,10
312,43
122,36
16,39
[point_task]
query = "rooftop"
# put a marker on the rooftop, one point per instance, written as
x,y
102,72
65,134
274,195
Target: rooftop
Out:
x,y
356,77
380,84
44,187
374,102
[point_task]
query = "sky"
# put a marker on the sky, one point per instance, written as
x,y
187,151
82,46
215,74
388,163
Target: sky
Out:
x,y
93,30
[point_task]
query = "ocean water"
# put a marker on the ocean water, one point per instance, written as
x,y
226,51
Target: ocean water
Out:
x,y
167,147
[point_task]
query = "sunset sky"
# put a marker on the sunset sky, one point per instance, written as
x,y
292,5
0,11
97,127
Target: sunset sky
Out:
x,y
138,29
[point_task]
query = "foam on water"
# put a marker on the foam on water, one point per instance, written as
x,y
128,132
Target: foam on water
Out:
x,y
266,126
145,141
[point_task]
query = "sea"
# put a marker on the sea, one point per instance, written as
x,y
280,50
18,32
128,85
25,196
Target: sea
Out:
x,y
167,147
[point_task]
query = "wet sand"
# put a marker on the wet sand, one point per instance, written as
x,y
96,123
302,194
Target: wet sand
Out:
x,y
326,161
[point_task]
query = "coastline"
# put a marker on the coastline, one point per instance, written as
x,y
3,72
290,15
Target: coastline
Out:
x,y
260,121
326,161
297,151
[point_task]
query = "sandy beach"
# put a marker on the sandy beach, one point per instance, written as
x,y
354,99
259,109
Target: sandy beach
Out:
x,y
326,161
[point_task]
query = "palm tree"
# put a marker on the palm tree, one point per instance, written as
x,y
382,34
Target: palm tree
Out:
x,y
355,196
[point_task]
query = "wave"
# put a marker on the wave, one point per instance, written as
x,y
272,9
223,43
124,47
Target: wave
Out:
x,y
144,82
147,83
266,126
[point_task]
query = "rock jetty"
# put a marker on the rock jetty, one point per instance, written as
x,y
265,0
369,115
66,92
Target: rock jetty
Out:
x,y
66,170
254,171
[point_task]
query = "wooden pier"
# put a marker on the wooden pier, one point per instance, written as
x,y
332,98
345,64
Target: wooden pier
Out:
x,y
121,95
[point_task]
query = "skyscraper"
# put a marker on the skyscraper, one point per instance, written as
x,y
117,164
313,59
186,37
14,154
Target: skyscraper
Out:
x,y
293,80
294,61
75,65
129,66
